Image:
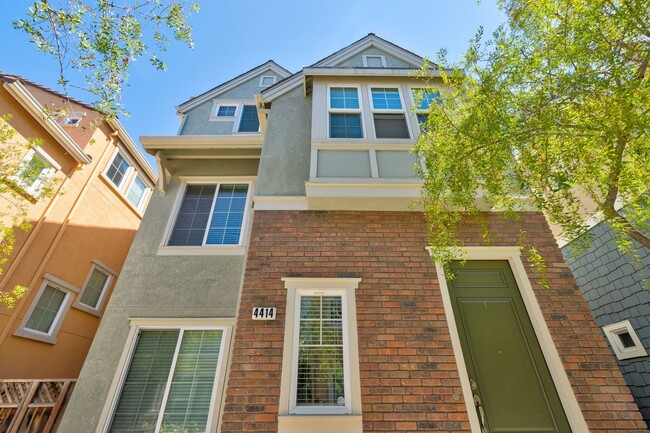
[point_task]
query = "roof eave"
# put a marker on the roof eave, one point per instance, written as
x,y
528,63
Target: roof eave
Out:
x,y
31,104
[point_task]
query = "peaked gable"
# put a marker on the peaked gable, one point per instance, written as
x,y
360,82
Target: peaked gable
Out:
x,y
231,84
346,55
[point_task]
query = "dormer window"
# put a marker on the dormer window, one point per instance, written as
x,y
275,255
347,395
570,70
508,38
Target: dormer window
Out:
x,y
267,80
389,116
71,119
374,61
344,113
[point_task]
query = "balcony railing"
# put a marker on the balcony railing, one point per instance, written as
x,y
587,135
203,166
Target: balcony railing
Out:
x,y
32,406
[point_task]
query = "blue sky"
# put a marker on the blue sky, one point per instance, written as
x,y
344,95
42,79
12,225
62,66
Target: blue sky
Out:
x,y
232,37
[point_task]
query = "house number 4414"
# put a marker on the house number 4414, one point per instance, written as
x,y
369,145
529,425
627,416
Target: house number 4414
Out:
x,y
264,313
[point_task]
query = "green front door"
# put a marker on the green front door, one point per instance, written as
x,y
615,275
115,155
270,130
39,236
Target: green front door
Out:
x,y
511,384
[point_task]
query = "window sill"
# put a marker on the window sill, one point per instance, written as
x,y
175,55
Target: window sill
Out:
x,y
221,119
235,250
120,194
87,308
320,423
35,335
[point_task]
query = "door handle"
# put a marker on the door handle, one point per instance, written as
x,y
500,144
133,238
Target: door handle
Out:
x,y
481,413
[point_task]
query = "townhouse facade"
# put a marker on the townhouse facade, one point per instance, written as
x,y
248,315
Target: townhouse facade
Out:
x,y
281,282
73,253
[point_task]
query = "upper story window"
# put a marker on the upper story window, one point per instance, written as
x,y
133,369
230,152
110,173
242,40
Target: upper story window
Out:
x,y
45,316
344,113
389,115
249,122
226,110
72,119
422,100
211,214
34,171
370,61
124,177
267,80
95,289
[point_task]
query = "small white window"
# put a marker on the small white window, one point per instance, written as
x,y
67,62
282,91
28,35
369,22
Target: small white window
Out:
x,y
173,380
34,171
72,119
44,317
321,361
225,112
93,293
374,61
137,192
624,341
267,80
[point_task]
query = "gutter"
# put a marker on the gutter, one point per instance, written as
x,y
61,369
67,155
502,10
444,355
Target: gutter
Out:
x,y
32,105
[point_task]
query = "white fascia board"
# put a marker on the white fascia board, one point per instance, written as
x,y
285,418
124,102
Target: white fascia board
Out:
x,y
130,145
153,143
372,41
185,107
399,72
31,104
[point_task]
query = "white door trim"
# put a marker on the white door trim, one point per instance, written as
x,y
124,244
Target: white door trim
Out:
x,y
560,379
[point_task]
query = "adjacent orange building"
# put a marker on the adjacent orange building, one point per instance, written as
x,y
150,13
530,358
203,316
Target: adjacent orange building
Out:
x,y
70,258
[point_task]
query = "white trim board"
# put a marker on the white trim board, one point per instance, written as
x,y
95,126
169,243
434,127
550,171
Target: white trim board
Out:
x,y
551,356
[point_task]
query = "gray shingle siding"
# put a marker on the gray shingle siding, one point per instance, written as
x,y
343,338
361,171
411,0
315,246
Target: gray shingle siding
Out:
x,y
614,290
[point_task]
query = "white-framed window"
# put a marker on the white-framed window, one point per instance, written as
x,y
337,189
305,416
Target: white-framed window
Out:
x,y
72,119
374,61
624,341
267,80
95,288
389,113
45,316
422,99
320,373
243,114
345,112
172,377
211,214
225,111
123,176
34,171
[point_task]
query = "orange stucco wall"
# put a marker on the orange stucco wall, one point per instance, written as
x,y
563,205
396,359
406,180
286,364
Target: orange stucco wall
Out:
x,y
86,220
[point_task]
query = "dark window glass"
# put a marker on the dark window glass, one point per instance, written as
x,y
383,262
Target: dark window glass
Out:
x,y
345,126
193,216
249,121
390,126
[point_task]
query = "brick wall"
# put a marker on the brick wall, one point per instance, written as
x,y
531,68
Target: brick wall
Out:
x,y
409,380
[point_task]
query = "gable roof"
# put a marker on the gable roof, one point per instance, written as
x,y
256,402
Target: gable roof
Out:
x,y
15,85
368,41
331,62
224,87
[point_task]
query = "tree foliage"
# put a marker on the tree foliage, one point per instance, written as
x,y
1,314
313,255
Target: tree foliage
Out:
x,y
15,201
551,114
102,38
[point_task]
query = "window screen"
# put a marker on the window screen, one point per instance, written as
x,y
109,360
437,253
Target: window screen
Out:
x,y
390,125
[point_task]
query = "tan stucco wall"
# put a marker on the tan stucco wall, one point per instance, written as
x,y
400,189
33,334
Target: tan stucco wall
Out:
x,y
86,220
